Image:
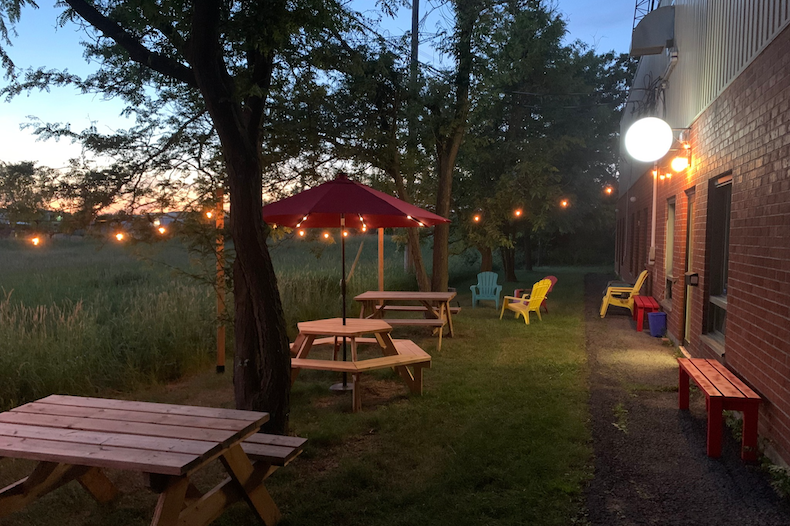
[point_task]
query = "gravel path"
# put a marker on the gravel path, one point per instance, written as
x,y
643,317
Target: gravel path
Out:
x,y
650,461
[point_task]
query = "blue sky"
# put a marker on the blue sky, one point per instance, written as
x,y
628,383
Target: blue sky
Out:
x,y
605,25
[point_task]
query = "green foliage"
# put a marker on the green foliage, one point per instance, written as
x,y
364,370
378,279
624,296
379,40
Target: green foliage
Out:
x,y
25,191
500,436
543,129
81,317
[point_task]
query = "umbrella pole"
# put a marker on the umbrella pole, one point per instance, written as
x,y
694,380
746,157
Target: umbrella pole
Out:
x,y
343,285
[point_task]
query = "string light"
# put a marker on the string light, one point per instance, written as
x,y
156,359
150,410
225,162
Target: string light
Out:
x,y
345,233
209,214
301,233
476,218
326,235
119,236
156,222
564,203
300,222
35,241
608,190
162,230
517,213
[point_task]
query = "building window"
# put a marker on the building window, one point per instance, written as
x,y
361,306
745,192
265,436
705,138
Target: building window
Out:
x,y
719,204
669,249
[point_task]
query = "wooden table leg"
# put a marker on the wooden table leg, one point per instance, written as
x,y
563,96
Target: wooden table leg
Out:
x,y
46,477
356,394
449,318
171,502
353,349
98,485
254,492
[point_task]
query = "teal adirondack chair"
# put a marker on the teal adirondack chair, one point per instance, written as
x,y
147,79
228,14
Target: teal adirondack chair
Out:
x,y
486,288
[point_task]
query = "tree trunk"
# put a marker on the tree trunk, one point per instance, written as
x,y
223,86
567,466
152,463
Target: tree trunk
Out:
x,y
441,232
262,365
509,262
448,139
413,236
487,259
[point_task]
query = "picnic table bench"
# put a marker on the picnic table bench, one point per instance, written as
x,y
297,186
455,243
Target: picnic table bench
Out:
x,y
74,438
723,391
643,304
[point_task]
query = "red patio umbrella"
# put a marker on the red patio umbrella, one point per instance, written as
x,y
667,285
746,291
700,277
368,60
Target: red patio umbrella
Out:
x,y
346,204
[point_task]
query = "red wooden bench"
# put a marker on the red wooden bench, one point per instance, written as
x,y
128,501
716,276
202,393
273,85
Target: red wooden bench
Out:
x,y
723,391
643,304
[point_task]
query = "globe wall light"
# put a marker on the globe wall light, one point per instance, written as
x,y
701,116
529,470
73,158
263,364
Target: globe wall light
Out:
x,y
648,139
683,160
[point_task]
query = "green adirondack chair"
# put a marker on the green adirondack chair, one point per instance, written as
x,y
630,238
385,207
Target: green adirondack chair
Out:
x,y
486,288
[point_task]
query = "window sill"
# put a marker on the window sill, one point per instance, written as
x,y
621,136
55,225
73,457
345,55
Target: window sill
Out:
x,y
713,344
666,305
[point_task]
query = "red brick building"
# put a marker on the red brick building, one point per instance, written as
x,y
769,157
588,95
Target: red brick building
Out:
x,y
718,71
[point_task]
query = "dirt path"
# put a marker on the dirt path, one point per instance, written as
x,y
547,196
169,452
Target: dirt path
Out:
x,y
650,461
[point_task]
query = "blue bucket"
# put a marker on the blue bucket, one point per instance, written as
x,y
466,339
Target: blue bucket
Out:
x,y
658,323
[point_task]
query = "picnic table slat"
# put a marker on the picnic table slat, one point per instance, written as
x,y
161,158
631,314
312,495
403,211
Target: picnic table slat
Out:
x,y
97,456
114,426
129,416
150,407
399,295
172,445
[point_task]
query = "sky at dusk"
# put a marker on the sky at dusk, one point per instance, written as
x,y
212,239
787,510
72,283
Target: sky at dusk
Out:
x,y
603,25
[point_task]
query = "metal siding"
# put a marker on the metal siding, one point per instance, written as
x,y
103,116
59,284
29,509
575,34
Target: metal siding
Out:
x,y
716,41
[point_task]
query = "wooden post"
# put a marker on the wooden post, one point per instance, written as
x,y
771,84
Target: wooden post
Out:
x,y
220,224
381,259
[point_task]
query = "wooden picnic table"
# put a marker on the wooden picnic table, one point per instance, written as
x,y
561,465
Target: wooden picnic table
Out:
x,y
352,329
74,438
376,303
399,354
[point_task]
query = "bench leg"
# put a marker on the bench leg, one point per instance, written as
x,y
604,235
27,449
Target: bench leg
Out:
x,y
356,394
714,427
749,443
639,315
683,389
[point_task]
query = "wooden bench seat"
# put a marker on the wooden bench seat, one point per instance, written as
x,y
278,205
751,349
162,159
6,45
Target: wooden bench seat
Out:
x,y
412,308
643,304
324,365
408,354
277,450
723,391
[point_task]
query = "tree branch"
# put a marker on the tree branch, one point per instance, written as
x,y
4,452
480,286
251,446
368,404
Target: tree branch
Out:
x,y
137,51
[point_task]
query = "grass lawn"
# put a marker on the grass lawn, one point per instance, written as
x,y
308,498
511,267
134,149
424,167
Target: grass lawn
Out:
x,y
499,437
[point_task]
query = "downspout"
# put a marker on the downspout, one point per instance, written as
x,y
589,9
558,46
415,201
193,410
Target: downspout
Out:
x,y
673,60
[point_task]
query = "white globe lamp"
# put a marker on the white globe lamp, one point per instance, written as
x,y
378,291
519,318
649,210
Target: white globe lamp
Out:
x,y
648,139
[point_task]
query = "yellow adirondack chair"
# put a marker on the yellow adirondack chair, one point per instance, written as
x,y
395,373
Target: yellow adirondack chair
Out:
x,y
622,294
528,302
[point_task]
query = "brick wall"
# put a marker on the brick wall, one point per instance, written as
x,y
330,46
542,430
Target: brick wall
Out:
x,y
746,131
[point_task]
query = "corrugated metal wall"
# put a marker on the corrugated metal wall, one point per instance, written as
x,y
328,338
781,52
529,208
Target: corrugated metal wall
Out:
x,y
716,40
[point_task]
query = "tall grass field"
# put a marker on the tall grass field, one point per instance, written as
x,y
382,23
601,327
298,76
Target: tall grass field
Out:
x,y
79,316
